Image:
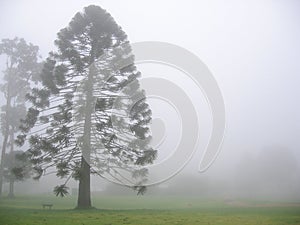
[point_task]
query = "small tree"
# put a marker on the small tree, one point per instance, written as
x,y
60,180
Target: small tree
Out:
x,y
90,115
16,167
21,69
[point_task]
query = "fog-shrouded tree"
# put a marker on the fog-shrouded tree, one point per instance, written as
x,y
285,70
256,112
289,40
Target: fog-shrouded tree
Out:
x,y
90,115
16,167
21,70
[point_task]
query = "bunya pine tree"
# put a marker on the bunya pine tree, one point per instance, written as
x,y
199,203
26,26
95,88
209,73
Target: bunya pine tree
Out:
x,y
90,115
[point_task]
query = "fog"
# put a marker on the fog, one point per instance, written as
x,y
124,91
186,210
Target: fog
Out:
x,y
252,49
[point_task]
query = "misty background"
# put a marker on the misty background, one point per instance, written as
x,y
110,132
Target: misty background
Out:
x,y
251,47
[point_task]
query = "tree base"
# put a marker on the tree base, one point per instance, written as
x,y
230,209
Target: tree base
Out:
x,y
11,195
84,207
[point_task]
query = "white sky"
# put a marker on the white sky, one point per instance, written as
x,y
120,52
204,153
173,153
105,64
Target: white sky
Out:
x,y
251,47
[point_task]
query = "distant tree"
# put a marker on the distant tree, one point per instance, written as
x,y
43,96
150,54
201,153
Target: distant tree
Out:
x,y
21,69
273,172
90,116
15,168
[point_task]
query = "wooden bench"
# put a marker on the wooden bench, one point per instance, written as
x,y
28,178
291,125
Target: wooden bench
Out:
x,y
47,205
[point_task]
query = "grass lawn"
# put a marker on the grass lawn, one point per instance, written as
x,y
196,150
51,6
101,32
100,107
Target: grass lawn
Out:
x,y
144,210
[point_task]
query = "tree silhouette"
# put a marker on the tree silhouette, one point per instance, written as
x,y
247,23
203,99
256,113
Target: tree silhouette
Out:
x,y
16,167
21,71
90,116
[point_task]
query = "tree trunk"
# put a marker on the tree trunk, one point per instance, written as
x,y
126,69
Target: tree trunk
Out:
x,y
84,193
11,189
11,181
2,160
6,134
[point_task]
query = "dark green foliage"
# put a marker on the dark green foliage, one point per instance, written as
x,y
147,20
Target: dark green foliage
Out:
x,y
140,189
61,190
17,167
38,171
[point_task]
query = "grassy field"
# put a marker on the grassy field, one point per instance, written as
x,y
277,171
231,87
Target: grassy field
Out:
x,y
145,210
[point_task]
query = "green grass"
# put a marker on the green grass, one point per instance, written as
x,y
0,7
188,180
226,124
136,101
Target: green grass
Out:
x,y
143,210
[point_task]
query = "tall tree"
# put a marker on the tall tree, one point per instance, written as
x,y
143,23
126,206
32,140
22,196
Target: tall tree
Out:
x,y
22,68
90,116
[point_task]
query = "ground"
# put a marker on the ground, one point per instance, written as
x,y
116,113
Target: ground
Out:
x,y
146,210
